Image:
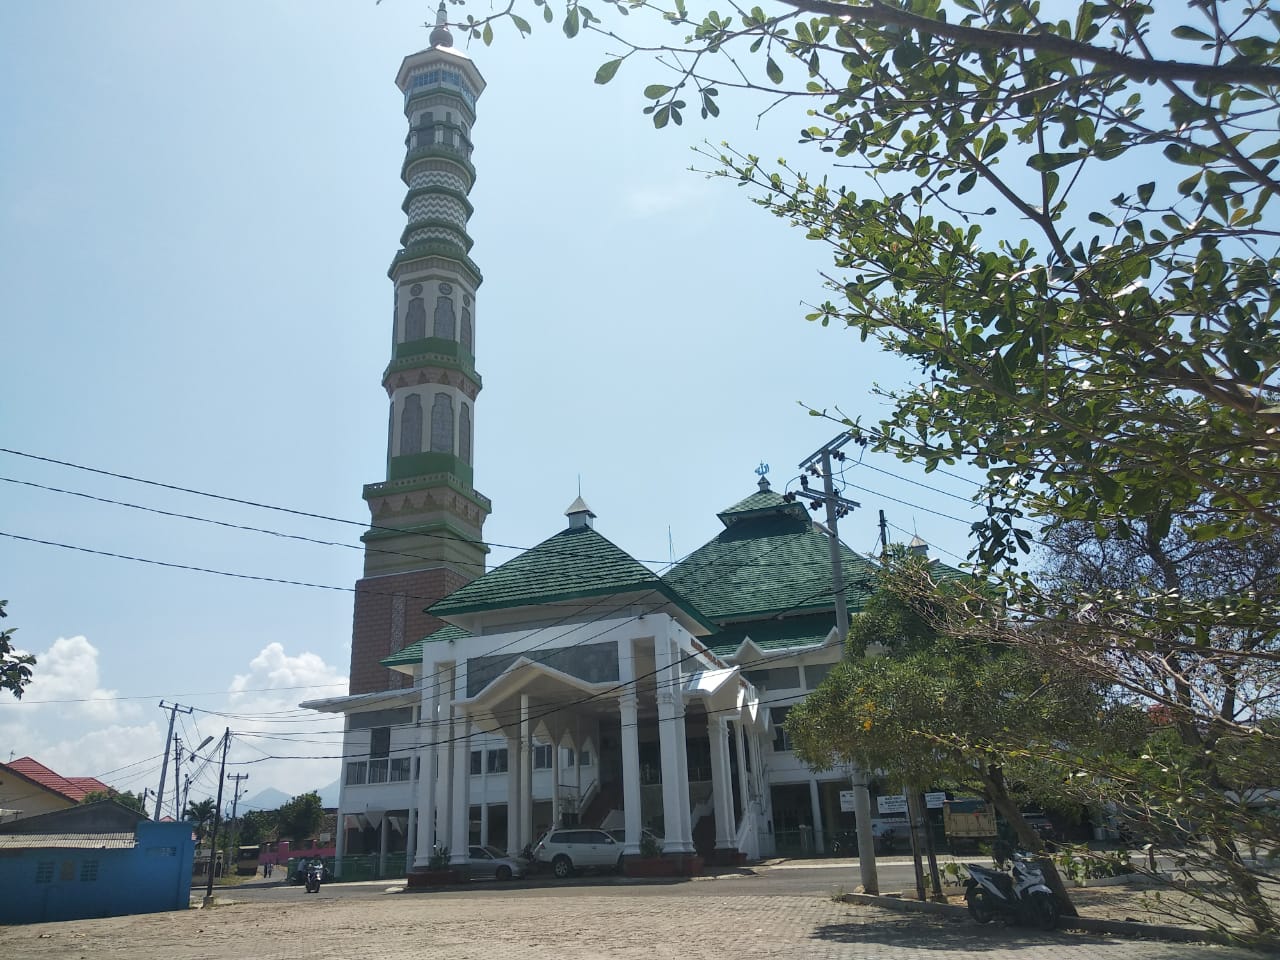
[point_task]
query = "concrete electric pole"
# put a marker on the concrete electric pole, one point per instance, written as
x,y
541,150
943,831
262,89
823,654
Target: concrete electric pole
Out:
x,y
819,463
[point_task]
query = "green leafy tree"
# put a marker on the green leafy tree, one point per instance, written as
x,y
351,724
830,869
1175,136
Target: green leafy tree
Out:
x,y
936,710
134,801
15,668
201,812
1216,704
301,817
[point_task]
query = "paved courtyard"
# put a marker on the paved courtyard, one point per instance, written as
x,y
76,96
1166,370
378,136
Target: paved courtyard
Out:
x,y
602,922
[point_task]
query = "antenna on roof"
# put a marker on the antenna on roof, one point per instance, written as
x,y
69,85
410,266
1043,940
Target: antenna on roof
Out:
x,y
671,547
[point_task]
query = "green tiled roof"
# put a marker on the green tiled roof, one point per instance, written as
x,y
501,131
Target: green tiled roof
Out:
x,y
575,563
805,631
762,500
770,563
412,654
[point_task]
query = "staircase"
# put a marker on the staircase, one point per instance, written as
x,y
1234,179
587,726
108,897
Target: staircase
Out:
x,y
607,799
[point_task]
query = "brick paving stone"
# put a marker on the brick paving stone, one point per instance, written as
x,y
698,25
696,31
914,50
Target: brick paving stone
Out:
x,y
619,924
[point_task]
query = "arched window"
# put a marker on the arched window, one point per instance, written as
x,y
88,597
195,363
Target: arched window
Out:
x,y
464,434
445,321
415,321
442,424
468,335
411,425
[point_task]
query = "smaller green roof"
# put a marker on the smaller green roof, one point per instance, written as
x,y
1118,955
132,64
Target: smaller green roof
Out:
x,y
575,563
761,503
412,654
775,634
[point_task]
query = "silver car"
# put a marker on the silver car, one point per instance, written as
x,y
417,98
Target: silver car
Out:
x,y
572,849
484,863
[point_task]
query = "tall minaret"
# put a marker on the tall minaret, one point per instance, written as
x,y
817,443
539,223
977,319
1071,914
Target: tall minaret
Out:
x,y
425,539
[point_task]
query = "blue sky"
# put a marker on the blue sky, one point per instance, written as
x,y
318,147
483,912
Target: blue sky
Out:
x,y
198,206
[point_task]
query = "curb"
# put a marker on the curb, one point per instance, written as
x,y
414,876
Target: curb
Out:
x,y
1126,928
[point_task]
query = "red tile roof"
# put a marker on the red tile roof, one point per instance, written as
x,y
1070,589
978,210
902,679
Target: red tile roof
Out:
x,y
73,788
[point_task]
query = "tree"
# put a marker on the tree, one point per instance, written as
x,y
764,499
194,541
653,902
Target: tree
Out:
x,y
201,813
1064,223
932,710
301,817
1215,707
15,668
134,801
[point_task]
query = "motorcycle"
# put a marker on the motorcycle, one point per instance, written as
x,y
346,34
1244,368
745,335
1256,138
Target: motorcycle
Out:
x,y
1020,896
315,874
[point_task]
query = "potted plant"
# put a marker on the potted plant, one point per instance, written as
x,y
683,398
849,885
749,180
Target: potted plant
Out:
x,y
437,872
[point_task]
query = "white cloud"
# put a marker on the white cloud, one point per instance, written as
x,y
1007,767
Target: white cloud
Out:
x,y
653,200
90,731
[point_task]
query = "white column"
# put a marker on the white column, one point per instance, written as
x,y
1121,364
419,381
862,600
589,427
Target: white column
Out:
x,y
461,806
526,771
425,788
682,768
627,710
675,792
446,730
721,782
818,846
555,777
515,842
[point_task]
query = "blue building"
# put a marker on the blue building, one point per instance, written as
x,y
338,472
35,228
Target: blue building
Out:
x,y
94,860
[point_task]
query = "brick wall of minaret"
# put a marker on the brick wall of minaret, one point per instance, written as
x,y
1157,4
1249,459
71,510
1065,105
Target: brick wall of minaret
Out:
x,y
389,615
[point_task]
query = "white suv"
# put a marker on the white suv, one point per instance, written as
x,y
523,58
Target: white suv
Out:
x,y
570,849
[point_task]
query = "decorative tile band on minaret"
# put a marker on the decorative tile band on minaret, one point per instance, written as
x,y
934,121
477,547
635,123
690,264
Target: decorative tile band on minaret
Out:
x,y
426,534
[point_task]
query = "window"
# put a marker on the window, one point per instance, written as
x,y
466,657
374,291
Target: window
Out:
x,y
44,871
415,319
442,424
498,760
566,757
380,742
542,756
445,322
464,434
477,763
411,425
357,773
89,871
781,741
379,771
400,767
584,758
779,678
815,673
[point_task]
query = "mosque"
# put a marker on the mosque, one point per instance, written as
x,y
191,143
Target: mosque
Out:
x,y
571,685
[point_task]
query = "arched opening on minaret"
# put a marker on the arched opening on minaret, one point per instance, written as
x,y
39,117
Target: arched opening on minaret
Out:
x,y
411,425
442,424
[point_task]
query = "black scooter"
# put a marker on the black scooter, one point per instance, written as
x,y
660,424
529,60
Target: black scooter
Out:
x,y
1020,896
315,874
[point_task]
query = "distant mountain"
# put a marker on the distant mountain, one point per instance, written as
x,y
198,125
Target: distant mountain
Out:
x,y
329,794
268,799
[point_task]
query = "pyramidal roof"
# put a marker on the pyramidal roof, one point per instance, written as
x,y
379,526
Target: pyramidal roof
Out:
x,y
576,563
412,654
768,561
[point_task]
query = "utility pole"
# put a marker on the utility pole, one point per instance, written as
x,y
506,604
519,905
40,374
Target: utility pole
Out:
x,y
217,818
884,536
819,464
235,804
177,780
174,709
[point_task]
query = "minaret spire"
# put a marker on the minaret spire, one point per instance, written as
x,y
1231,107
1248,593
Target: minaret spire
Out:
x,y
426,538
440,36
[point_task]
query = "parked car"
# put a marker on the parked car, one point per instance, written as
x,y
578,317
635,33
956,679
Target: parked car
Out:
x,y
620,836
490,863
574,849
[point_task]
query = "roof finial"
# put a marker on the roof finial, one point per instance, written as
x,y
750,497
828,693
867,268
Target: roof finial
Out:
x,y
762,471
579,514
440,36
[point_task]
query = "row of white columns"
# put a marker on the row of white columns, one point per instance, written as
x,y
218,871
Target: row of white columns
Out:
x,y
442,812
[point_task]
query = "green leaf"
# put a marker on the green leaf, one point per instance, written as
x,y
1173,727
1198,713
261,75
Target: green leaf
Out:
x,y
608,70
571,23
486,35
655,90
1191,33
1051,161
522,24
773,70
1145,191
